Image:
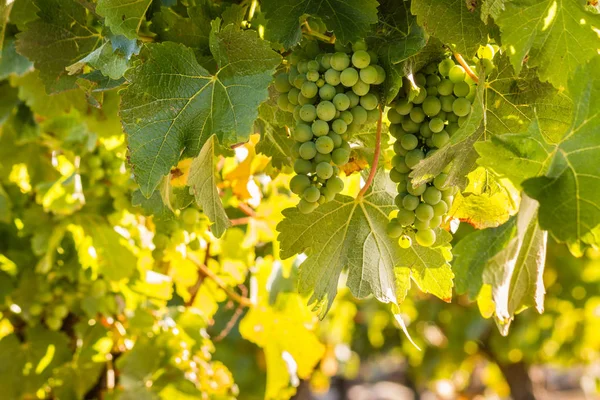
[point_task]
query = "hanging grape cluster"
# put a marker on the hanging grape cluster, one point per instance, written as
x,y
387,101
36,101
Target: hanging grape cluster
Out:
x,y
421,126
331,92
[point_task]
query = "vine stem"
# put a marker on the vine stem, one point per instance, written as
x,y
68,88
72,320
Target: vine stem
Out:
x,y
466,66
241,300
375,157
325,38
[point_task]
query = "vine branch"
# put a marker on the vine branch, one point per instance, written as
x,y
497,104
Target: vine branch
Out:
x,y
318,35
375,157
466,66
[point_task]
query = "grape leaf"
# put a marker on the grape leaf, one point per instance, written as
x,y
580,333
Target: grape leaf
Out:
x,y
112,58
12,62
491,8
203,183
510,258
275,143
350,20
174,104
123,17
453,23
56,40
459,150
344,233
569,192
173,27
557,36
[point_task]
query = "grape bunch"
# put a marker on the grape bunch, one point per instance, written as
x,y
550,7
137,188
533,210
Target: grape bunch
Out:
x,y
331,90
421,126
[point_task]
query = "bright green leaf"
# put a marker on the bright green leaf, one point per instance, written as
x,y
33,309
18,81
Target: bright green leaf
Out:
x,y
123,17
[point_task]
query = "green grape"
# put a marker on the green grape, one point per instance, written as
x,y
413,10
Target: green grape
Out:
x,y
417,115
361,88
424,131
397,131
326,61
457,74
462,121
413,157
446,102
359,114
324,170
369,75
432,195
340,61
335,184
420,225
435,222
436,125
324,145
445,66
440,139
440,208
95,162
405,217
396,176
54,324
161,241
347,116
424,212
432,106
439,181
332,77
326,110
353,97
432,91
313,76
372,115
445,87
394,229
461,89
293,96
308,150
461,107
341,102
303,133
308,113
190,216
313,65
425,237
361,59
360,45
415,190
405,242
339,126
336,137
349,77
410,202
433,80
327,92
98,288
97,174
319,158
420,79
302,66
311,194
369,101
299,80
60,311
486,52
302,100
320,128
488,65
380,74
393,116
36,309
398,149
403,107
340,156
420,98
327,193
306,207
401,165
409,141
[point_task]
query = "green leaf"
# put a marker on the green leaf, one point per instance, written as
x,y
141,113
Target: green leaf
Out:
x,y
274,140
203,183
56,40
12,62
153,205
5,206
173,27
123,17
491,8
459,151
350,20
112,58
558,37
453,23
345,233
569,193
173,104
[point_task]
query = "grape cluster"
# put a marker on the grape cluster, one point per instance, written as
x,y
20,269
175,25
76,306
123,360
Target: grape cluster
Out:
x,y
421,126
331,92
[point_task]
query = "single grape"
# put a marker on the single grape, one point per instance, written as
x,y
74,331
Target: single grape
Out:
x,y
283,102
486,52
311,194
413,157
326,110
436,125
349,77
359,114
312,76
353,97
340,127
320,128
410,126
417,115
369,75
425,131
445,66
327,193
336,137
409,141
424,212
360,45
415,190
405,217
435,222
425,237
335,184
446,102
293,96
308,112
432,195
299,80
60,311
347,117
372,115
403,107
309,89
323,145
324,170
405,241
440,208
410,202
361,59
332,77
327,92
306,207
440,139
326,61
445,87
302,166
488,65
457,74
461,107
394,229
396,176
433,80
282,84
401,166
432,106
361,88
393,116
340,61
341,102
308,150
54,324
369,101
440,180
420,98
461,89
190,216
420,225
313,65
397,131
299,183
340,156
432,91
380,74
